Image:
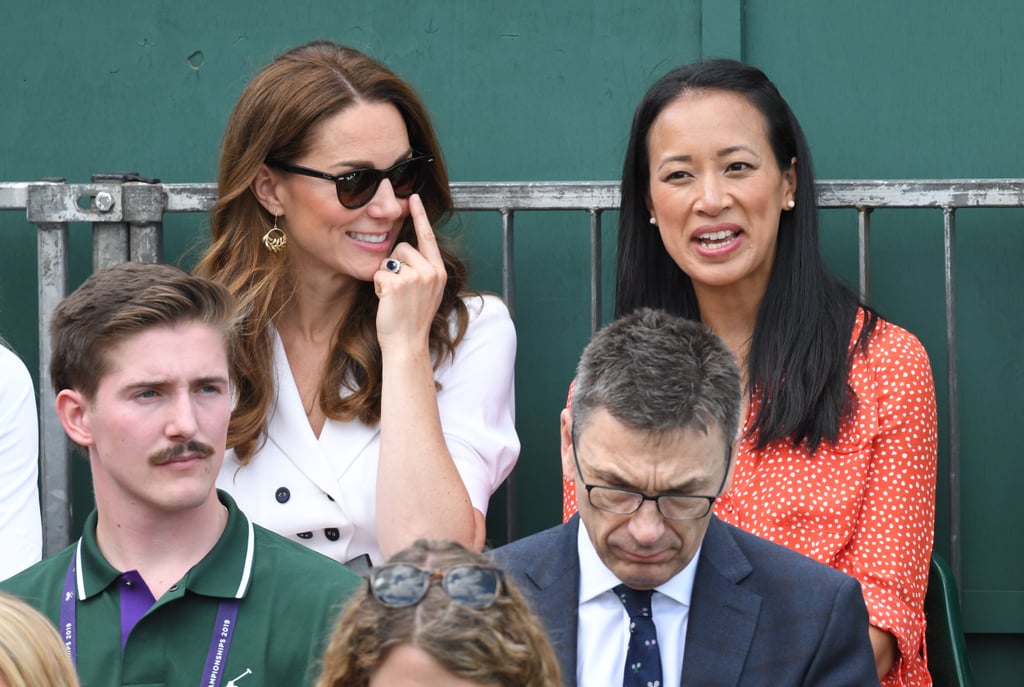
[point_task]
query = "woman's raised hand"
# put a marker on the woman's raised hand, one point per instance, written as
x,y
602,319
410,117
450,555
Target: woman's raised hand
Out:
x,y
410,289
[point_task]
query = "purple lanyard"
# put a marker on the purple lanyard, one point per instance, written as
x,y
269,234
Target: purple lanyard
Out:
x,y
220,640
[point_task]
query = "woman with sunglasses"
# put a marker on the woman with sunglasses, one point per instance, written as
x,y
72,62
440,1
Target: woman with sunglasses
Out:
x,y
438,614
374,395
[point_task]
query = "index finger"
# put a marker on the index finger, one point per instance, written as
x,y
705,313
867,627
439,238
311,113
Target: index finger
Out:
x,y
424,232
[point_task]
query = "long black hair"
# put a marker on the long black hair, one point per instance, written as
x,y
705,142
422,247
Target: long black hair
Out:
x,y
800,354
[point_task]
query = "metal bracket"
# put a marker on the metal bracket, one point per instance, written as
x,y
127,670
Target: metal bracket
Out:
x,y
62,202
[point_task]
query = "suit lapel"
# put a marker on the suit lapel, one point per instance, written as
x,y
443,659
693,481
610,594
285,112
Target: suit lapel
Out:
x,y
555,575
723,615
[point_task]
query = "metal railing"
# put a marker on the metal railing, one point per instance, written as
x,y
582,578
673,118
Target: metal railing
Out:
x,y
126,213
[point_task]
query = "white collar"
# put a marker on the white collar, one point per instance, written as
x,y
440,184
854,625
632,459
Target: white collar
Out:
x,y
596,578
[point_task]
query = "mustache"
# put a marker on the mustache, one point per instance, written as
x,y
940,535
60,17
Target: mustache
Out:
x,y
171,452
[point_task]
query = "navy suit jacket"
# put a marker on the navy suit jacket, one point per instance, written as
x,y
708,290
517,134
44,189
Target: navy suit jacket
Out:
x,y
760,614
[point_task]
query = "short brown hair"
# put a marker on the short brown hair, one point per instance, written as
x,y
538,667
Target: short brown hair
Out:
x,y
119,301
504,644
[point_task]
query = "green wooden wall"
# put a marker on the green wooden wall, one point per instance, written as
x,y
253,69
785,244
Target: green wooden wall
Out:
x,y
540,90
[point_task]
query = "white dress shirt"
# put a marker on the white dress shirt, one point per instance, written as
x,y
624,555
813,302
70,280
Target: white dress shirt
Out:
x,y
21,534
602,637
321,491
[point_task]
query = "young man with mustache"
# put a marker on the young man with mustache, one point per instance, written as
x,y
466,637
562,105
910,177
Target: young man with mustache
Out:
x,y
170,583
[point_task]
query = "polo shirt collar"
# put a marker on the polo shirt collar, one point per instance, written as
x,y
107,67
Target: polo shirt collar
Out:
x,y
224,572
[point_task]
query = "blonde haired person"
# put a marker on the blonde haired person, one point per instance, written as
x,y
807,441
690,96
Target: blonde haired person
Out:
x,y
438,614
31,652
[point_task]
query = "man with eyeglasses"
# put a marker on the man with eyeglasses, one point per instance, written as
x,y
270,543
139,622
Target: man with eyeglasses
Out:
x,y
645,586
170,583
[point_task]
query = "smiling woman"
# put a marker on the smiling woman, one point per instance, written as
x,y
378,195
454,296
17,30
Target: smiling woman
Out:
x,y
374,394
716,192
837,453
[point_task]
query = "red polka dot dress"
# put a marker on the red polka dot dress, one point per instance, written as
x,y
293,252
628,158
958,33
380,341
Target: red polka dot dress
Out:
x,y
865,504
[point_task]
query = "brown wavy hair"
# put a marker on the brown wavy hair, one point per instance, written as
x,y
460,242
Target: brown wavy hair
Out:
x,y
504,644
276,117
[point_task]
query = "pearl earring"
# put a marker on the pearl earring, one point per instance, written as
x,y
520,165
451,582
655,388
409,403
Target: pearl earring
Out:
x,y
791,204
653,221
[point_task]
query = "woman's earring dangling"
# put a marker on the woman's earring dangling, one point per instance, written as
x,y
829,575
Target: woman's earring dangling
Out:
x,y
275,239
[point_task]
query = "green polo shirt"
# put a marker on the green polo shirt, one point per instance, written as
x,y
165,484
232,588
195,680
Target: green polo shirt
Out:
x,y
289,600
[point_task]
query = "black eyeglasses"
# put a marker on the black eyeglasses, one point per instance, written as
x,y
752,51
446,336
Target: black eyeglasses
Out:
x,y
404,584
358,186
628,501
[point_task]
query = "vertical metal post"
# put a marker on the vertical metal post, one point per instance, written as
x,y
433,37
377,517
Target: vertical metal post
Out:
x,y
952,376
595,269
110,244
55,458
864,253
508,291
508,276
144,205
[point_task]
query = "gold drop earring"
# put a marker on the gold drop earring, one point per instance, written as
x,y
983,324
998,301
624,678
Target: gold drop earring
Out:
x,y
275,239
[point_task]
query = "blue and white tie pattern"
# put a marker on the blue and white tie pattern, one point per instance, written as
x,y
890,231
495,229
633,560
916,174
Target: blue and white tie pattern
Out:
x,y
643,658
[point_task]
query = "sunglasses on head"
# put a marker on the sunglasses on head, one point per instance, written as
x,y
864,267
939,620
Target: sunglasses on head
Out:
x,y
403,584
358,186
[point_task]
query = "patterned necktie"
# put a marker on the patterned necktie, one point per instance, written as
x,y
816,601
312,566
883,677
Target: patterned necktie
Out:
x,y
643,659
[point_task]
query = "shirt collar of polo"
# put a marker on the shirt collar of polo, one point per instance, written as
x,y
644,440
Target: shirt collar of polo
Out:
x,y
224,572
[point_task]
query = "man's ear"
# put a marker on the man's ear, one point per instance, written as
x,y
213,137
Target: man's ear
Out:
x,y
568,469
73,411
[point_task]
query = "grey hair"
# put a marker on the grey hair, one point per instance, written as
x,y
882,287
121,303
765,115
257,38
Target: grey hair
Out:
x,y
660,373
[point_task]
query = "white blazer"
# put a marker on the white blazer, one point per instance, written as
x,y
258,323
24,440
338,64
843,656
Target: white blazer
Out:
x,y
321,491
